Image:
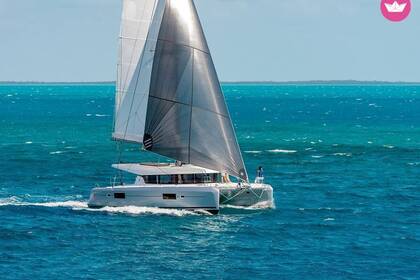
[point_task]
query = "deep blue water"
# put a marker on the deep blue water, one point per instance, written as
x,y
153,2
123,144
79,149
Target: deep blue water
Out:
x,y
344,162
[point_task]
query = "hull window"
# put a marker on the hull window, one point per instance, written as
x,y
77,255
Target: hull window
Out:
x,y
169,196
119,195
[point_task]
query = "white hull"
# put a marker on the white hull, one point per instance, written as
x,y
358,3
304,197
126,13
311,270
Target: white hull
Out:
x,y
192,197
247,195
171,197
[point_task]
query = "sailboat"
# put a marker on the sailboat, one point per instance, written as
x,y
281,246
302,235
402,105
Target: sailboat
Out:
x,y
169,101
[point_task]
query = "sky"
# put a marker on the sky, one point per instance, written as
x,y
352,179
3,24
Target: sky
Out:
x,y
250,40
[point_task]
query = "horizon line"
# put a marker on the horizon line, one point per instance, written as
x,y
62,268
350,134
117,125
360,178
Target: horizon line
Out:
x,y
231,82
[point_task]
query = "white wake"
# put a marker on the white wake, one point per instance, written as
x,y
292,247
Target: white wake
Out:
x,y
259,206
83,206
77,205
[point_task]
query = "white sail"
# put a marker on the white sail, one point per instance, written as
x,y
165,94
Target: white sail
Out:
x,y
139,29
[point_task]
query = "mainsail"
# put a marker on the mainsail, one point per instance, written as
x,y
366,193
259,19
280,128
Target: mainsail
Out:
x,y
186,117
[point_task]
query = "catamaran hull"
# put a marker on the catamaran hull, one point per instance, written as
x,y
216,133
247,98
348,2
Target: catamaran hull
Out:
x,y
180,197
247,196
206,198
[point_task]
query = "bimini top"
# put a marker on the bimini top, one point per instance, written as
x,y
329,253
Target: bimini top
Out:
x,y
162,169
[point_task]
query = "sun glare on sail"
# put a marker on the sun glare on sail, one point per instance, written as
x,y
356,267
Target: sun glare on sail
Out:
x,y
182,7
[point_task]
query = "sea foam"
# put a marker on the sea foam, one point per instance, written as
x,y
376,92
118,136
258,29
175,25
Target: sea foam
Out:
x,y
15,201
83,206
279,151
253,152
136,210
258,206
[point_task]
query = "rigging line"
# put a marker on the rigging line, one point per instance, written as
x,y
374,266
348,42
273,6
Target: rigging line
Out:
x,y
191,109
241,191
256,195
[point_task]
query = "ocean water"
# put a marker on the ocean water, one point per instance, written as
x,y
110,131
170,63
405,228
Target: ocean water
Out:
x,y
344,161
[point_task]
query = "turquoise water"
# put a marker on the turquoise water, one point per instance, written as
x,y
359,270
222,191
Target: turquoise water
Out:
x,y
344,162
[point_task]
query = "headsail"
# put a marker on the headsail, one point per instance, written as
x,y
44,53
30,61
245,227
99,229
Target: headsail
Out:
x,y
187,117
139,29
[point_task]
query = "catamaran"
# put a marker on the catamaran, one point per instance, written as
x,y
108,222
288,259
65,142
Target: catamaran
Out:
x,y
169,101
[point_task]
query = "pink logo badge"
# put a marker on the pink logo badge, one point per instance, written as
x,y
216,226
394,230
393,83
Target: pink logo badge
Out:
x,y
396,10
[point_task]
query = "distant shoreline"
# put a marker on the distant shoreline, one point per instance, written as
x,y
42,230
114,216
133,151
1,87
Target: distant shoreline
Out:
x,y
310,82
322,82
55,83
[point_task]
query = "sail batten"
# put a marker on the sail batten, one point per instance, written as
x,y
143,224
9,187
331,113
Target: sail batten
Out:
x,y
183,45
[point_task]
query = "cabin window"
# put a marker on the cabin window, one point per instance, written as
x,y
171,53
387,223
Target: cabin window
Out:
x,y
216,178
165,179
202,178
187,179
169,179
119,195
153,179
208,178
198,178
182,179
169,196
